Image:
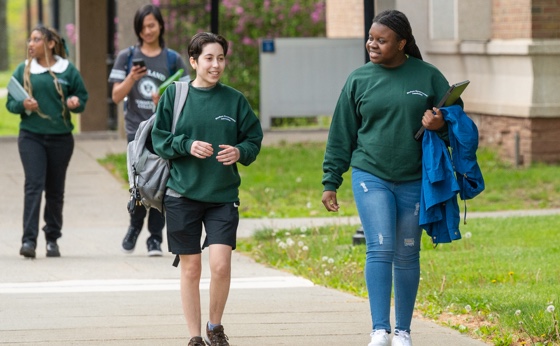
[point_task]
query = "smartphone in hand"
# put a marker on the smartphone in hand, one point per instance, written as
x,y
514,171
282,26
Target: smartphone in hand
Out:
x,y
138,62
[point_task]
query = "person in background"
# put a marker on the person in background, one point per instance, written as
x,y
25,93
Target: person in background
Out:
x,y
381,107
139,85
45,141
216,130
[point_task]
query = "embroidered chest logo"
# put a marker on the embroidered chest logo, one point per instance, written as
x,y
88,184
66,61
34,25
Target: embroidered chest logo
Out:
x,y
63,81
416,92
225,117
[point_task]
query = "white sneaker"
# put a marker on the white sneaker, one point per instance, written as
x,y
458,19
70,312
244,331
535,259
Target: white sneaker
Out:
x,y
379,338
401,338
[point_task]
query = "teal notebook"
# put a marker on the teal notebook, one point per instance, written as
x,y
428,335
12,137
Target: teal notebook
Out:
x,y
17,91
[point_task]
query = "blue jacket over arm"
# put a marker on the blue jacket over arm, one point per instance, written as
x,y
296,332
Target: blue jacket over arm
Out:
x,y
445,175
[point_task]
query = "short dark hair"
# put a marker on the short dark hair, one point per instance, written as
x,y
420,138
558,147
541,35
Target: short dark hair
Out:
x,y
397,21
139,22
199,40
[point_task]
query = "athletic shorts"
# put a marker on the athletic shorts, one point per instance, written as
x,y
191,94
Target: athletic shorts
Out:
x,y
186,217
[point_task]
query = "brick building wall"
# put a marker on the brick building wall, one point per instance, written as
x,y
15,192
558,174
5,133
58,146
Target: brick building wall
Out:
x,y
527,140
342,18
546,19
539,19
511,19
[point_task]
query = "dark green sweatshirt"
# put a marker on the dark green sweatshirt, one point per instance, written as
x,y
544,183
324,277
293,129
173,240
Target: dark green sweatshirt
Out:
x,y
49,100
220,115
378,112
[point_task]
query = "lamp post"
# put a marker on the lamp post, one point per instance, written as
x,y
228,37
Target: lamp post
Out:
x,y
369,12
214,16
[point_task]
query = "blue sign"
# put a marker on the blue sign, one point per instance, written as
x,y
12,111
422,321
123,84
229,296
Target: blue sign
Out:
x,y
267,46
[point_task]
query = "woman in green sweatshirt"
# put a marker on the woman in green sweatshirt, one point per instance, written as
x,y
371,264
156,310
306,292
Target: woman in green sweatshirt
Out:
x,y
381,107
54,87
216,130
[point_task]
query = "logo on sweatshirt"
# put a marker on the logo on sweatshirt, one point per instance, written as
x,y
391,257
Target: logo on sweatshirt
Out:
x,y
417,92
225,117
62,81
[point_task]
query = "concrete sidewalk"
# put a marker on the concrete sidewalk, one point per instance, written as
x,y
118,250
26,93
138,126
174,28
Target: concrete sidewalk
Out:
x,y
96,295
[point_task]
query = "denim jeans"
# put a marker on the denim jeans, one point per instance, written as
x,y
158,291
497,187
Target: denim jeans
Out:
x,y
45,160
156,220
389,215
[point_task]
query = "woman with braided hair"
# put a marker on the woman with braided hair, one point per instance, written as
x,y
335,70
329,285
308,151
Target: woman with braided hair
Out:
x,y
380,108
45,140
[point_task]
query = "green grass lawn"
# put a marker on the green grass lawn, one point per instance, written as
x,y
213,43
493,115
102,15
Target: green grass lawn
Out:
x,y
285,181
495,284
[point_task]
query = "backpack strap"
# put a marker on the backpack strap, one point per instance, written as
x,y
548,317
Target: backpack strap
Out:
x,y
129,60
181,92
171,60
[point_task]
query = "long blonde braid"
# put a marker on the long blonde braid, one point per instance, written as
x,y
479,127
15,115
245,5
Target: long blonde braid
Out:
x,y
48,34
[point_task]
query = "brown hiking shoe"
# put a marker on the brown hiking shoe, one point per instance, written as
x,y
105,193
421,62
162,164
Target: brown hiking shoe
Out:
x,y
196,341
216,337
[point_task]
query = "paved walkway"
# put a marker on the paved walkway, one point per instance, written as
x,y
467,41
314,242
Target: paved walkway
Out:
x,y
96,295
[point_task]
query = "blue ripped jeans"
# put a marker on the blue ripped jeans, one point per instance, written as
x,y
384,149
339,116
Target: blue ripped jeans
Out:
x,y
389,215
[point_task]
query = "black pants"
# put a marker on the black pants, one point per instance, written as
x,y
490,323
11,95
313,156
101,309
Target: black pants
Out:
x,y
45,161
156,220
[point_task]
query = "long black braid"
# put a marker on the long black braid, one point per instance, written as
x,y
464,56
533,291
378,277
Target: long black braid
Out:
x,y
397,21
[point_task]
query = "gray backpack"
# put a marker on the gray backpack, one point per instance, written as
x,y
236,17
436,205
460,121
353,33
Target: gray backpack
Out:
x,y
147,172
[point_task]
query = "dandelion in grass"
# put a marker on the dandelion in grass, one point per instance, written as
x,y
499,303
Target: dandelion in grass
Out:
x,y
324,258
300,243
303,229
511,273
517,312
305,248
468,235
309,205
327,273
290,242
550,308
282,245
468,308
287,234
330,261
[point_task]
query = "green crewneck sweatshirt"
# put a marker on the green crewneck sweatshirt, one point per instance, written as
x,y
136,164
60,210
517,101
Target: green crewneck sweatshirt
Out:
x,y
220,115
49,100
378,112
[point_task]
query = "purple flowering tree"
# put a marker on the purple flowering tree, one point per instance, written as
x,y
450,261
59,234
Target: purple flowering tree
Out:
x,y
243,23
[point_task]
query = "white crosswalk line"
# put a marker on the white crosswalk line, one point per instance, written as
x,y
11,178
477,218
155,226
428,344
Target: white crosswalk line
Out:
x,y
124,285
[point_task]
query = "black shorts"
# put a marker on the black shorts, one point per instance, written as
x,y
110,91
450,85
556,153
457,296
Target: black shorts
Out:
x,y
185,218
